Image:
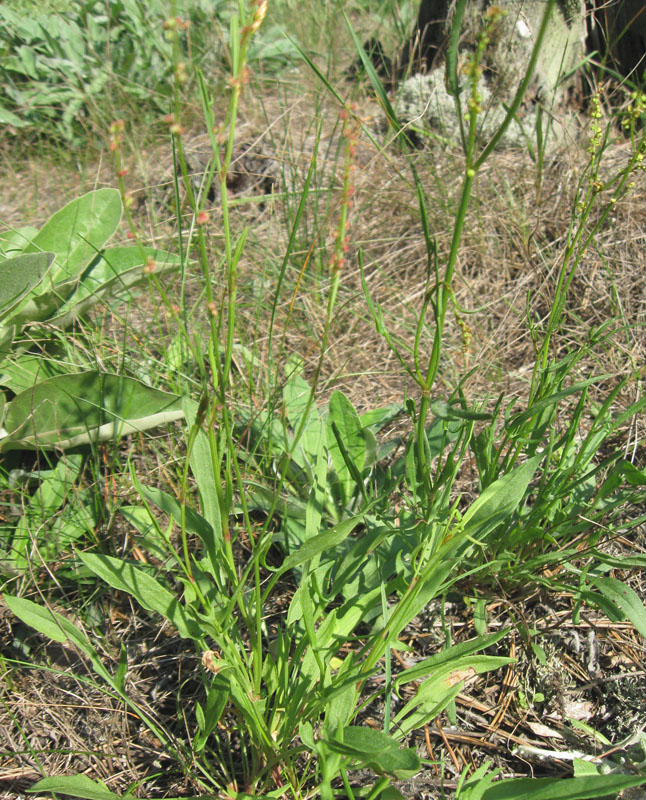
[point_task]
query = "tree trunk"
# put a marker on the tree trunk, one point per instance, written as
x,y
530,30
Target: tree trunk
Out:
x,y
618,35
511,47
616,31
426,40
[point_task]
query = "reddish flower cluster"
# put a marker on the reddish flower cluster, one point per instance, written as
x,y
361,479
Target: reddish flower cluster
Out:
x,y
181,74
173,125
116,130
173,25
258,16
237,81
176,24
351,129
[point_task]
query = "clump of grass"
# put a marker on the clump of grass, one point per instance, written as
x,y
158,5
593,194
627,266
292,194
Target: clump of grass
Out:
x,y
294,543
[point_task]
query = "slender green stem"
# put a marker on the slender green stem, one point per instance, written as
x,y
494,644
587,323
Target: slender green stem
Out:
x,y
522,87
443,289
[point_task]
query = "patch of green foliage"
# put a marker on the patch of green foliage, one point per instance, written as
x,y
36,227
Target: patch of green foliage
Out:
x,y
370,533
64,73
49,279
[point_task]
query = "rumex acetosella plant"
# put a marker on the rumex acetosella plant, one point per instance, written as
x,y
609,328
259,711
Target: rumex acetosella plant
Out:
x,y
283,691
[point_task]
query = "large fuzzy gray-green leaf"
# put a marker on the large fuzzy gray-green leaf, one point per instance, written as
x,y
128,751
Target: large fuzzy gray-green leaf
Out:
x,y
72,410
19,276
78,231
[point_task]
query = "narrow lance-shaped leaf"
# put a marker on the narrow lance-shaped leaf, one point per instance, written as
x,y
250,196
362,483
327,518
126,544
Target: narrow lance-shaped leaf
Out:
x,y
590,787
495,504
500,499
625,599
344,416
441,687
296,395
194,522
144,588
76,786
548,402
377,750
328,540
58,628
450,655
204,468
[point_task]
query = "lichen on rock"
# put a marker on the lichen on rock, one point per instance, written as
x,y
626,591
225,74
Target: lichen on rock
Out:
x,y
423,101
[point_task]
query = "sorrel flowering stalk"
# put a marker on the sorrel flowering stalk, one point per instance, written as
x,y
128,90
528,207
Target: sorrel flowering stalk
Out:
x,y
473,161
215,413
116,131
351,129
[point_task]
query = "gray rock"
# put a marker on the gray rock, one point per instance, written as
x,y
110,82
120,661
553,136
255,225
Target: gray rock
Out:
x,y
422,100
